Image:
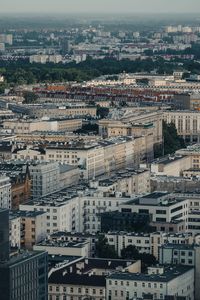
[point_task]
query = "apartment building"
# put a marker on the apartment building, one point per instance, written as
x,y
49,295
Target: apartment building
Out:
x,y
101,157
44,178
90,158
187,255
5,192
15,231
161,206
32,227
126,182
60,212
74,209
147,242
157,284
85,278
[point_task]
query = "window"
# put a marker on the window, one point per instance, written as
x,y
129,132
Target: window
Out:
x,y
190,253
143,284
57,289
115,282
183,253
190,261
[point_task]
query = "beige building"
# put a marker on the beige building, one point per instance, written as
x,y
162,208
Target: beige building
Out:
x,y
125,182
79,248
29,126
171,165
104,156
134,124
194,153
85,278
63,111
187,123
33,227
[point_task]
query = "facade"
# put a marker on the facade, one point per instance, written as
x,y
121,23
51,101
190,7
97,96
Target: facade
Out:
x,y
4,234
157,284
79,248
193,152
171,165
53,125
161,206
52,111
126,182
44,178
5,192
15,231
64,236
20,181
187,123
187,101
101,157
147,242
146,122
188,255
24,276
85,278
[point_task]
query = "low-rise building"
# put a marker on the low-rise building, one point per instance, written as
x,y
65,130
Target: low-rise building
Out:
x,y
32,227
171,165
5,192
147,242
187,255
78,248
157,284
85,278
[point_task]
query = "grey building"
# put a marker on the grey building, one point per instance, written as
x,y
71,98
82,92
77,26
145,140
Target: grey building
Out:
x,y
24,276
4,234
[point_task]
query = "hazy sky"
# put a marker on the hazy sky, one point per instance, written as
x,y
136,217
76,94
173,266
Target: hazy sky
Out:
x,y
109,6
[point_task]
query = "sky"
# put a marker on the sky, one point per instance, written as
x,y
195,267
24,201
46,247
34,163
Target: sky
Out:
x,y
100,6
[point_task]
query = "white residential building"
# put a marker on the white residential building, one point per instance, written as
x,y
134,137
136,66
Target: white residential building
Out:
x,y
45,178
158,283
5,192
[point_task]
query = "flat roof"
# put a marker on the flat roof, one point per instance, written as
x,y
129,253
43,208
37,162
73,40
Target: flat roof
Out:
x,y
169,274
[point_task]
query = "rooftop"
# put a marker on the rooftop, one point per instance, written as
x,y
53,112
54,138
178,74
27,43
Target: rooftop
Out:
x,y
169,274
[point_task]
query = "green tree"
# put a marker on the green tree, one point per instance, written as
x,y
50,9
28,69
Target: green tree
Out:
x,y
130,252
172,142
102,112
29,97
104,250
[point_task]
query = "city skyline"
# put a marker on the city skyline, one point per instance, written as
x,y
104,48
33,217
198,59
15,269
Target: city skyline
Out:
x,y
111,6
